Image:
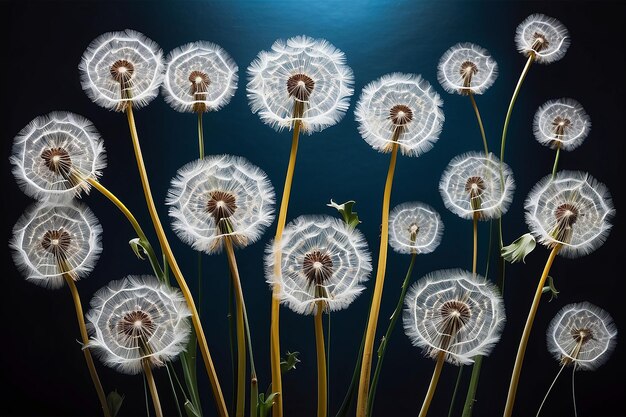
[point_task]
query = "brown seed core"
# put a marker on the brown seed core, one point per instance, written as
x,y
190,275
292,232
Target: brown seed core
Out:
x,y
221,205
468,70
475,186
135,324
300,86
566,215
317,267
560,124
122,71
200,82
400,115
57,160
540,42
57,242
455,314
582,336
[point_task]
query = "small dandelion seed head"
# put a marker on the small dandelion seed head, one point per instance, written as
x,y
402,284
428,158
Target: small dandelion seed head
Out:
x,y
400,109
199,77
414,227
573,210
582,334
465,68
322,261
135,319
454,312
543,37
561,123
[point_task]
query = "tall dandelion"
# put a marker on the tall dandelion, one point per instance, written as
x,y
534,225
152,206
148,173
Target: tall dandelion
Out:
x,y
453,316
121,71
570,215
324,264
301,84
137,324
56,243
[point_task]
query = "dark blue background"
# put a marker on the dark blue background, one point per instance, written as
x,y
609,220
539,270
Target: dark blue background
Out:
x,y
41,46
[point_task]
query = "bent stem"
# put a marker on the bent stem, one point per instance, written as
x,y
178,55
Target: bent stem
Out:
x,y
277,384
153,389
366,364
85,338
433,384
556,160
550,389
171,260
519,360
480,122
385,341
321,361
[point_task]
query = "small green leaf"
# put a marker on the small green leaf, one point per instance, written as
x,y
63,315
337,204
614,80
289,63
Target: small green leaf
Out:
x,y
265,404
289,362
114,401
138,248
190,409
554,293
519,249
350,217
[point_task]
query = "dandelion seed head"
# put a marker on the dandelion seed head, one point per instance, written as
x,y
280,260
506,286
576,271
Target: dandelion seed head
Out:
x,y
544,37
414,228
561,123
465,68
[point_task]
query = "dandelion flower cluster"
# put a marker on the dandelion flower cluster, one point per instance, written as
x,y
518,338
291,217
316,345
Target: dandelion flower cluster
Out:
x,y
414,228
138,319
471,185
55,154
454,312
323,260
582,334
51,240
561,123
465,68
573,210
199,77
542,36
301,79
119,69
220,196
403,109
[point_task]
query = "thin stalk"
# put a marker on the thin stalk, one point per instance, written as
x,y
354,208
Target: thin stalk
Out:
x,y
456,389
556,160
475,251
550,389
232,340
200,136
85,338
519,360
171,260
366,364
322,405
480,122
277,383
169,377
328,358
433,384
153,389
574,390
241,362
385,342
145,393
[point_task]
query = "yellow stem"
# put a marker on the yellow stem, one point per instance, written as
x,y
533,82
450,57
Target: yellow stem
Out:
x,y
152,386
475,256
127,213
321,361
433,384
519,360
85,338
200,136
366,364
180,279
480,122
277,383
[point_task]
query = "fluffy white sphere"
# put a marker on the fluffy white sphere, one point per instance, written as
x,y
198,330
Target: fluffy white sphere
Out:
x,y
544,37
414,228
561,123
467,67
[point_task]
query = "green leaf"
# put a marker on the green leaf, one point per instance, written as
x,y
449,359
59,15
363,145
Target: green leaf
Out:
x,y
188,360
138,248
289,362
265,404
554,293
519,249
350,217
114,401
190,409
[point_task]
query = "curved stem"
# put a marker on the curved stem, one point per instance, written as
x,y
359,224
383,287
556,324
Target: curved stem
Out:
x,y
550,389
480,122
366,364
385,342
277,384
180,279
433,384
200,136
556,160
153,389
574,390
519,360
456,390
321,361
85,339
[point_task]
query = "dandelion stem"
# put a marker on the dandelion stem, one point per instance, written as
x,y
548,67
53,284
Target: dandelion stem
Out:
x,y
510,400
456,389
556,160
480,122
366,364
475,253
433,384
385,342
85,339
180,279
153,389
277,384
321,361
574,390
200,136
550,389
169,377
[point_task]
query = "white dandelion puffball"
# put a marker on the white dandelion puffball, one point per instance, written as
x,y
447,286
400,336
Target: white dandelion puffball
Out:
x,y
467,67
138,319
400,108
300,79
54,155
454,312
582,334
322,260
414,228
471,185
561,123
119,69
217,197
199,77
573,209
542,36
51,240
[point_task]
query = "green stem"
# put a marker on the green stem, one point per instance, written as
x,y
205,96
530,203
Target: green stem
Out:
x,y
473,387
169,376
480,122
456,390
200,136
231,340
556,160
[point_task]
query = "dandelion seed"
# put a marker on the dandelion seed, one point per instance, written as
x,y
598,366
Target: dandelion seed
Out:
x,y
561,123
414,228
465,68
542,36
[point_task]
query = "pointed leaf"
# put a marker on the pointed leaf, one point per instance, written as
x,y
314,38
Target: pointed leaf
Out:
x,y
114,401
350,217
554,293
190,409
519,249
138,248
